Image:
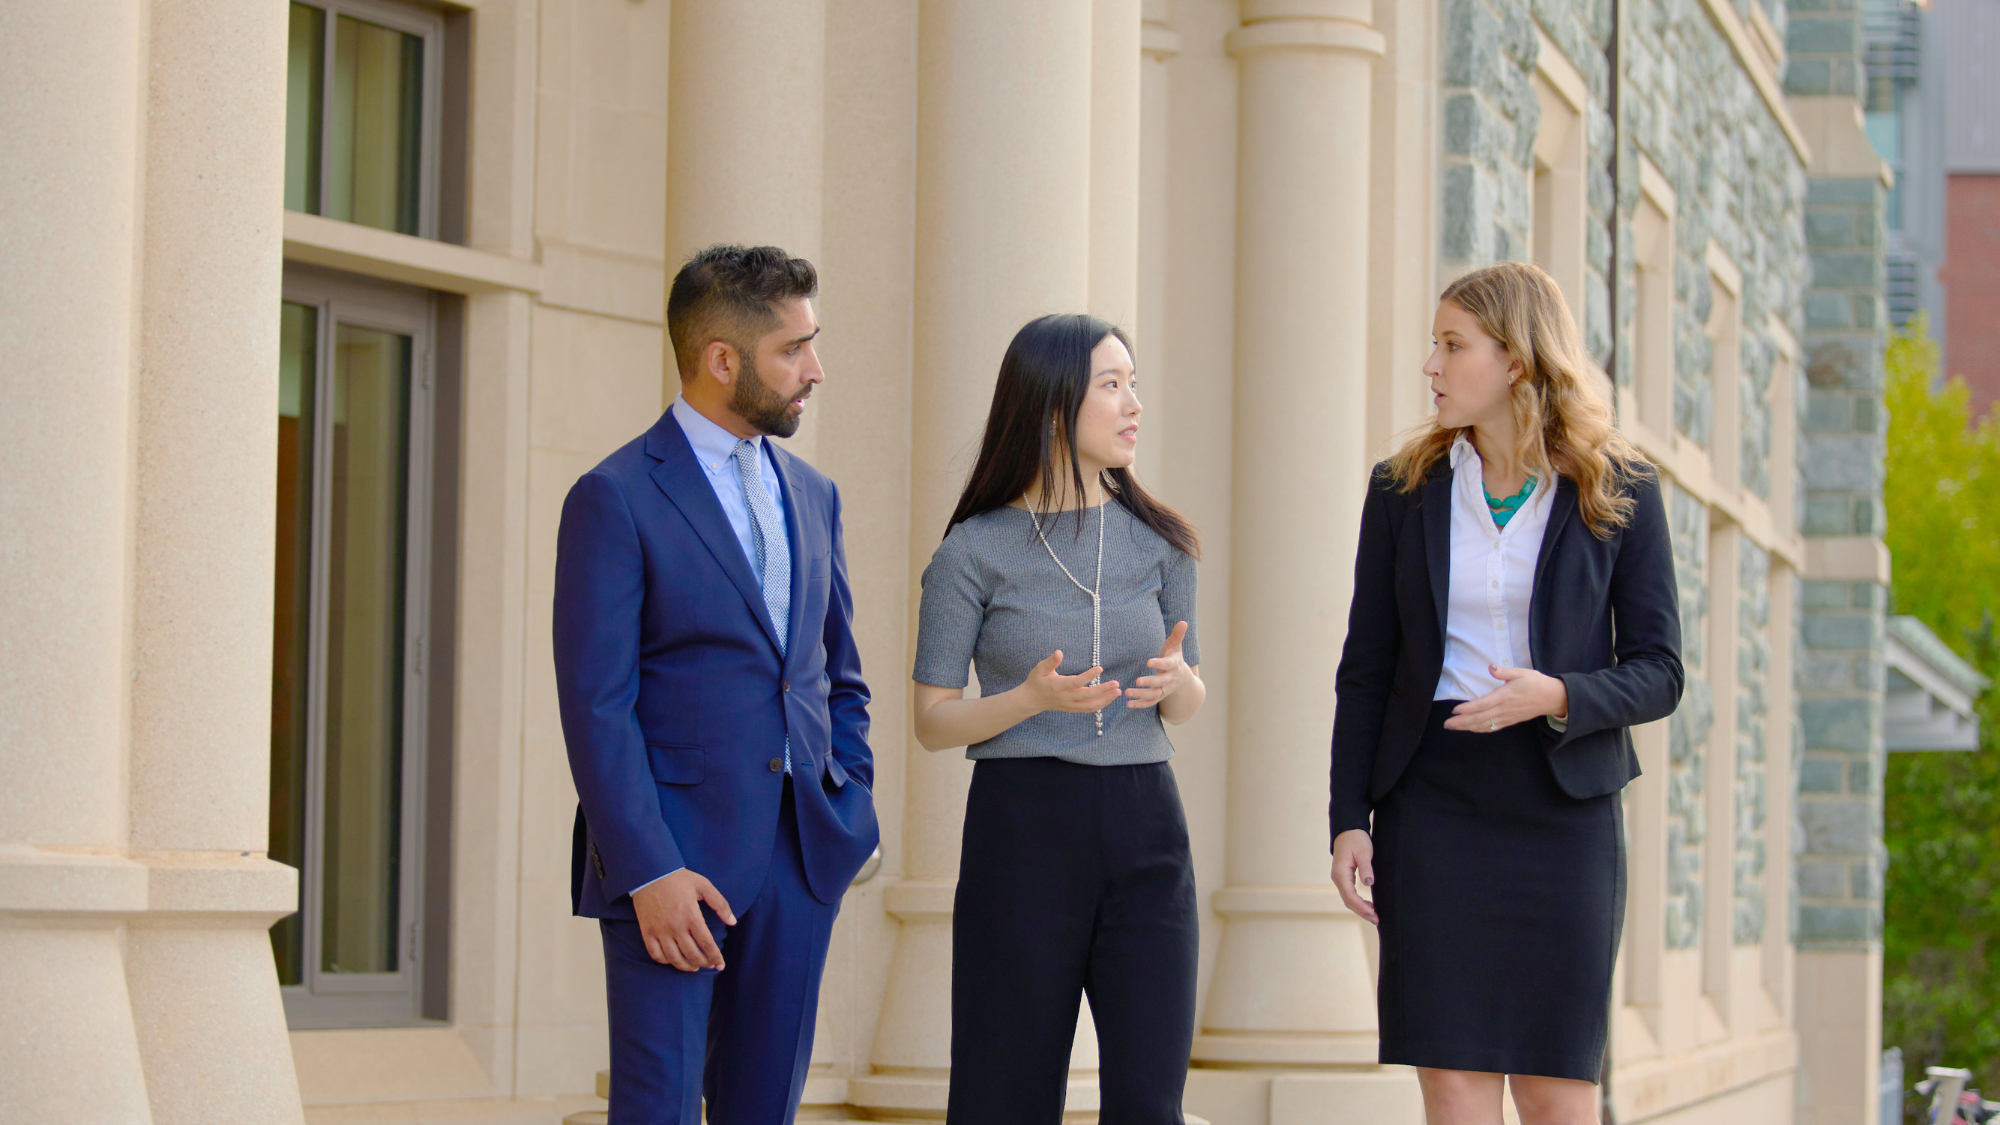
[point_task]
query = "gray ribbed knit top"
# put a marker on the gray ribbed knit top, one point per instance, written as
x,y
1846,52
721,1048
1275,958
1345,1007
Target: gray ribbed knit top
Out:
x,y
995,600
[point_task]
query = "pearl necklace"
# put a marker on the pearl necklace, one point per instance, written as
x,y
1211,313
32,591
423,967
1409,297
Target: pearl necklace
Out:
x,y
1096,601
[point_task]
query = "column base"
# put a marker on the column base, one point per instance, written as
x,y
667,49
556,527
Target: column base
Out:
x,y
1252,1049
70,1052
1293,984
204,993
1375,1095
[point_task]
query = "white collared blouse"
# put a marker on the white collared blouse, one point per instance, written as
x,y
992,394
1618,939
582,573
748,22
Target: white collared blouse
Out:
x,y
1492,580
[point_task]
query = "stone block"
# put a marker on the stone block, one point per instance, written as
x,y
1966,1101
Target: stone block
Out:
x,y
1468,214
1869,674
1827,515
1822,878
1846,271
1472,128
1869,517
1827,411
1813,34
1838,826
1830,229
1821,775
1841,190
1861,777
1843,462
1834,923
1823,594
1469,32
1828,310
1833,363
1867,310
1808,77
1868,415
1868,595
1866,881
1818,672
1838,724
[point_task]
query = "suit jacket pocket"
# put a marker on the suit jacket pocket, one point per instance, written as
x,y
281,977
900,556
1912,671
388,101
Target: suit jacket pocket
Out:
x,y
834,772
677,763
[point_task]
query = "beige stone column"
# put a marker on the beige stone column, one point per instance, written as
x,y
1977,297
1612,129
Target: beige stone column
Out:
x,y
198,962
69,208
744,154
1157,44
1292,985
1003,236
1115,116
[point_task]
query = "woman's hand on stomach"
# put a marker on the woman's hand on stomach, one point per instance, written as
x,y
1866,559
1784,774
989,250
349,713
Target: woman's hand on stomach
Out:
x,y
1523,694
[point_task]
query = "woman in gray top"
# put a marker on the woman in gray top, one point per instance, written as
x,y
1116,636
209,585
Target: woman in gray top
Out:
x,y
1072,593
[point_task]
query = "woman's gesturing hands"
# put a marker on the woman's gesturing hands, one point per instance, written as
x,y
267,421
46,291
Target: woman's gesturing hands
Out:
x,y
1170,673
1354,859
1047,690
1522,695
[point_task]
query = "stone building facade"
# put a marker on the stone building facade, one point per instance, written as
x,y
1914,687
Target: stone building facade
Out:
x,y
251,247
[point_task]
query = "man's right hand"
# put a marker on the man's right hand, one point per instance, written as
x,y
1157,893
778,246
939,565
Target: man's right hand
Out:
x,y
670,920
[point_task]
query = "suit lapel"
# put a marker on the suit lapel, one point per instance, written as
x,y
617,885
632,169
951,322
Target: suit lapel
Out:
x,y
679,475
1437,537
795,535
1561,506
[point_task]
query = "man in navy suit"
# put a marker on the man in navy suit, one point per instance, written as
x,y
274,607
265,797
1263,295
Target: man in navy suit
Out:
x,y
714,710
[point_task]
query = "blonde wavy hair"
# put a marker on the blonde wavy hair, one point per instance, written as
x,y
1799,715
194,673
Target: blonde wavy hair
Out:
x,y
1564,427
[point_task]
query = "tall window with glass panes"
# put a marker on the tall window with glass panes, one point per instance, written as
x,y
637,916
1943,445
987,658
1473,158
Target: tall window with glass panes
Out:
x,y
359,756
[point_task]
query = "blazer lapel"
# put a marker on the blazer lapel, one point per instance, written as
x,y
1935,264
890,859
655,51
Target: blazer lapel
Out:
x,y
1561,506
795,534
681,478
1437,537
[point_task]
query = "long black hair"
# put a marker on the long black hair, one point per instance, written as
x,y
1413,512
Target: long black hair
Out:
x,y
1044,377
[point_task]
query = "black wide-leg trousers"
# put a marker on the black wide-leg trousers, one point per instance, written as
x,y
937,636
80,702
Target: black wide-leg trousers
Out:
x,y
1073,880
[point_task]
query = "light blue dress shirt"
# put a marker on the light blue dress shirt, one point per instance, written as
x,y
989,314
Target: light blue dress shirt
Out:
x,y
714,448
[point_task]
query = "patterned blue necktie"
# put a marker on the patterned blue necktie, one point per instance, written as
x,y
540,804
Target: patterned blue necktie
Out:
x,y
774,553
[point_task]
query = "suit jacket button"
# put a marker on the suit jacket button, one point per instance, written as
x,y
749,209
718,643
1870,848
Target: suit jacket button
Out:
x,y
788,685
776,764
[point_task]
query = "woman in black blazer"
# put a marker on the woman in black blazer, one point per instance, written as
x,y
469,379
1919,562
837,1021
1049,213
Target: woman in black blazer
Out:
x,y
1514,613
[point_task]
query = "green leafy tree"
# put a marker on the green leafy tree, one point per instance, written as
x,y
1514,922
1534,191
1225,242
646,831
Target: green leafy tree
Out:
x,y
1941,940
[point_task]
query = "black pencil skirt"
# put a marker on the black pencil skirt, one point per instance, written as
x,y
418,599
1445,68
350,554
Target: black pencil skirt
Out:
x,y
1501,899
1073,880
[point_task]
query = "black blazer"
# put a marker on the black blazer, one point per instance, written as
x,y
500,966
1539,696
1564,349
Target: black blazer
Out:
x,y
1605,618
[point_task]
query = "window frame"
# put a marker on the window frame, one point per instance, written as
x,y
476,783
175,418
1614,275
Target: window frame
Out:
x,y
394,999
427,24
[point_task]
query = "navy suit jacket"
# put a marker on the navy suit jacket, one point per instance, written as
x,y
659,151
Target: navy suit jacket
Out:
x,y
1604,618
675,698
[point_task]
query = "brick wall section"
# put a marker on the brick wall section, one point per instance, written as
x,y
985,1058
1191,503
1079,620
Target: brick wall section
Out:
x,y
1840,680
1971,276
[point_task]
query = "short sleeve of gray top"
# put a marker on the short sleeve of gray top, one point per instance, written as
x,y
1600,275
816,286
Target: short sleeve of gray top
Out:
x,y
994,599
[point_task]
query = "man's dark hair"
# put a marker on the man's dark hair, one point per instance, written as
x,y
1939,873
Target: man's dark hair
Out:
x,y
727,293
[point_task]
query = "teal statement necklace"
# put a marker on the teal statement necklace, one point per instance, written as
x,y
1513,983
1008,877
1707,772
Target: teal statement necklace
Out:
x,y
1503,510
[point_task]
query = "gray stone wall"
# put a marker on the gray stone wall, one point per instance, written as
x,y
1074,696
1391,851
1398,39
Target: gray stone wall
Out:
x,y
1692,110
1753,666
1490,117
1689,728
1842,428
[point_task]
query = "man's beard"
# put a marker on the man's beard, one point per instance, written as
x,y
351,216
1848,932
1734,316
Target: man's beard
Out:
x,y
756,403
